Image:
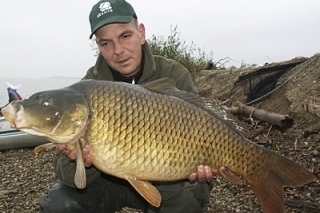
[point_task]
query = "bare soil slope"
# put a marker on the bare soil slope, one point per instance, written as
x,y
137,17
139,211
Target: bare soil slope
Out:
x,y
301,142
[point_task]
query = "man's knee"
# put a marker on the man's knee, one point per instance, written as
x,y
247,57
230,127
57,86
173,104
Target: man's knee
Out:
x,y
59,200
101,196
188,197
63,206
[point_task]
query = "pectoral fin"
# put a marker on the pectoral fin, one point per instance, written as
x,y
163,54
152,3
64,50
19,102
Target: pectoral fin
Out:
x,y
80,175
42,147
146,190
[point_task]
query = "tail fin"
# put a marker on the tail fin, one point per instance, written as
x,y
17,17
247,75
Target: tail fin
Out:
x,y
282,172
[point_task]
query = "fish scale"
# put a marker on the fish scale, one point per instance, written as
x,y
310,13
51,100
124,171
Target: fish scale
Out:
x,y
158,137
120,124
154,132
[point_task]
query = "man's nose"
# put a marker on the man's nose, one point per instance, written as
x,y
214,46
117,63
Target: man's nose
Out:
x,y
118,48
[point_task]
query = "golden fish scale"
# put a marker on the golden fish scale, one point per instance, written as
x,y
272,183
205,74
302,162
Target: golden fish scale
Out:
x,y
155,137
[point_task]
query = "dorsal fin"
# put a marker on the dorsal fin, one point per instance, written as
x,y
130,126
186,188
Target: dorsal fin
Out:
x,y
162,85
167,86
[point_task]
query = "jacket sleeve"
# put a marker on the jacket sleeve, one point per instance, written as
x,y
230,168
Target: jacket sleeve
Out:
x,y
65,170
90,74
184,82
182,78
170,68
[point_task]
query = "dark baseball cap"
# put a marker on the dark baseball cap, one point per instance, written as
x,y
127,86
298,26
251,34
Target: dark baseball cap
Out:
x,y
111,11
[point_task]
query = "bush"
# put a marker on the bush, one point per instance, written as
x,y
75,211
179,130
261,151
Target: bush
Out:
x,y
192,57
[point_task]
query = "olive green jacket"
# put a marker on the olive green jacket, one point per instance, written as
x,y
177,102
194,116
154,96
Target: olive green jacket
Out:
x,y
155,67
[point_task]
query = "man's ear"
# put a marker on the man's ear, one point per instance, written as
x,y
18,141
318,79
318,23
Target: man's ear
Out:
x,y
142,32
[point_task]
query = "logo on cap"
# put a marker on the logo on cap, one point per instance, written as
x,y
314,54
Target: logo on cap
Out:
x,y
104,8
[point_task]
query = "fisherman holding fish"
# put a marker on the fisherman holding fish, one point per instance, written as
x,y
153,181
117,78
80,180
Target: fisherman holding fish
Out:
x,y
141,133
124,56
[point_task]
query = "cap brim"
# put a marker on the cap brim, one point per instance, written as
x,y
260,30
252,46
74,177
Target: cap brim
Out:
x,y
111,20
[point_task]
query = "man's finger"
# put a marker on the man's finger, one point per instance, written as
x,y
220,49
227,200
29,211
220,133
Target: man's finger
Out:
x,y
88,160
60,148
85,150
193,177
72,155
208,172
201,173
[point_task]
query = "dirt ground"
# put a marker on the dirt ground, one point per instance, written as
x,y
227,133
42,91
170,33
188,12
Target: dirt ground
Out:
x,y
25,176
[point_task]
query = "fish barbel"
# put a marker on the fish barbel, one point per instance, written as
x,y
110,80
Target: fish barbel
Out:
x,y
154,132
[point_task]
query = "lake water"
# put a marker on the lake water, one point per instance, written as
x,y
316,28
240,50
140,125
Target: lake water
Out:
x,y
32,85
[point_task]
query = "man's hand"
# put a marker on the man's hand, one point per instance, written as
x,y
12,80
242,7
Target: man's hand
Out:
x,y
72,155
204,174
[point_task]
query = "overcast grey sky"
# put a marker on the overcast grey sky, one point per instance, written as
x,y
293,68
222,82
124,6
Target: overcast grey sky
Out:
x,y
51,38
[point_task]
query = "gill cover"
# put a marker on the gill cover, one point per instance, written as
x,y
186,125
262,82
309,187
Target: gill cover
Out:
x,y
61,115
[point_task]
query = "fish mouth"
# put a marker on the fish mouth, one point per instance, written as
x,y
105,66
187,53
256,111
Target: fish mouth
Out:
x,y
13,116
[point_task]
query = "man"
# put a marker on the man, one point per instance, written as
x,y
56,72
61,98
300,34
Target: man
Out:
x,y
124,56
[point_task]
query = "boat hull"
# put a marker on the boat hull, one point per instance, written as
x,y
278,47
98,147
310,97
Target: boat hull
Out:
x,y
11,138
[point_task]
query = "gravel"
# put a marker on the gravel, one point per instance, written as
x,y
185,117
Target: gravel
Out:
x,y
24,176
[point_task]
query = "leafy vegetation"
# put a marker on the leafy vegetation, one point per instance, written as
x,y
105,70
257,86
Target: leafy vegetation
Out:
x,y
172,46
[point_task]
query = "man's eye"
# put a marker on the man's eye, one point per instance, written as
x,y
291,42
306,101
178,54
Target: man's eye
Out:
x,y
126,36
106,43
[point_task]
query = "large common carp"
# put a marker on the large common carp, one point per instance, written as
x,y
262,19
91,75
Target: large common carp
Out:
x,y
154,132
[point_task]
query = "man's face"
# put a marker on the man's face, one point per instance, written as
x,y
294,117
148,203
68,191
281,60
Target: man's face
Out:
x,y
120,45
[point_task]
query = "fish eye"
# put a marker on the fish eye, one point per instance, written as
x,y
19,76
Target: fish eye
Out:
x,y
36,97
45,104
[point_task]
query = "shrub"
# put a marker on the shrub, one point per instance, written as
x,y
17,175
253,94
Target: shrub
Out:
x,y
172,46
